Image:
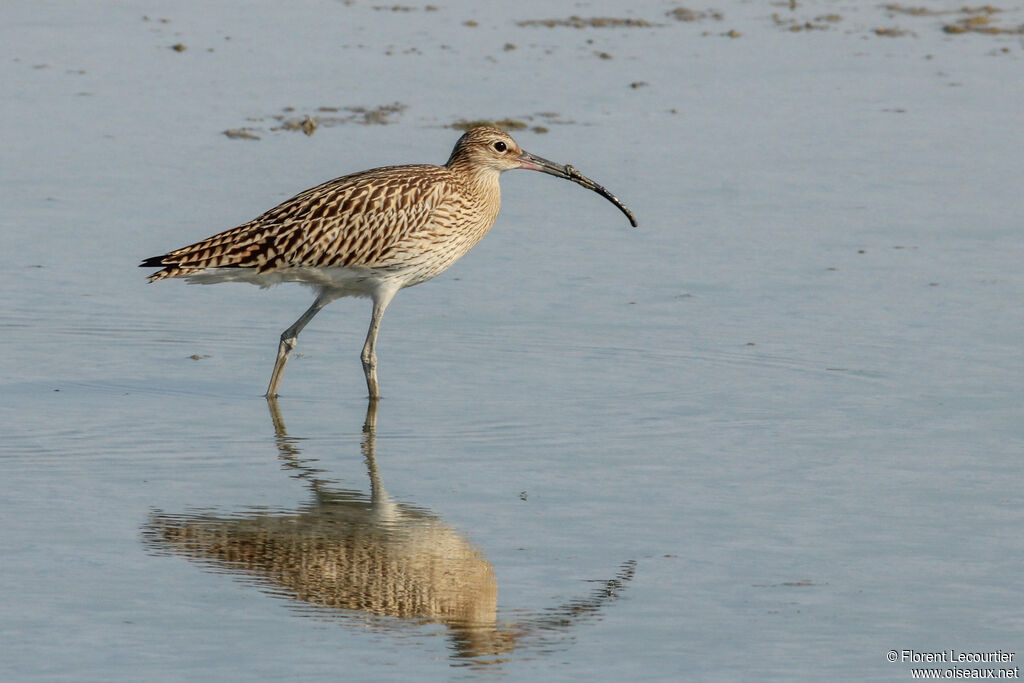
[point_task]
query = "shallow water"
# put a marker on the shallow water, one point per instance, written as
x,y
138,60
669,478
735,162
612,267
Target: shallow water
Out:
x,y
772,434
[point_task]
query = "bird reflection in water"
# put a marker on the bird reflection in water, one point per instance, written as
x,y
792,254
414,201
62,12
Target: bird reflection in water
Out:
x,y
347,551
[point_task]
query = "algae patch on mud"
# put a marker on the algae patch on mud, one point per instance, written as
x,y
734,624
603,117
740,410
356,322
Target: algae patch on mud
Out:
x,y
589,22
978,19
324,116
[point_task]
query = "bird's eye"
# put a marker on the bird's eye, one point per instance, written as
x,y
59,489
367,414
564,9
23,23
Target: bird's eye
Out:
x,y
500,146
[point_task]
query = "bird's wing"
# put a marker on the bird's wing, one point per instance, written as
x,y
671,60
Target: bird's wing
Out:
x,y
354,220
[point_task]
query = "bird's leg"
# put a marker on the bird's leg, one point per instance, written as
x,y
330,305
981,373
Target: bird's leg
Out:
x,y
369,354
288,340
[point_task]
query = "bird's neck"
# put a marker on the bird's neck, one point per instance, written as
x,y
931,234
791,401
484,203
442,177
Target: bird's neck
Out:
x,y
482,184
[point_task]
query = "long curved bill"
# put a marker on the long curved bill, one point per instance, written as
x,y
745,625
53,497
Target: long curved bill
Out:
x,y
535,163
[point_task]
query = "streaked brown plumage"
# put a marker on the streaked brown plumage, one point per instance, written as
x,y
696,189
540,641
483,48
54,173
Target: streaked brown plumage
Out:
x,y
367,234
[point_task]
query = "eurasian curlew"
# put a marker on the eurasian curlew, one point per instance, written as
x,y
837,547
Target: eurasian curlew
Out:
x,y
368,234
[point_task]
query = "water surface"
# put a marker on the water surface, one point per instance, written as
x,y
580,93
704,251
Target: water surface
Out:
x,y
772,434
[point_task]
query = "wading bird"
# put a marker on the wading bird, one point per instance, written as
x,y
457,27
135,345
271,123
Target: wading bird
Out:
x,y
368,234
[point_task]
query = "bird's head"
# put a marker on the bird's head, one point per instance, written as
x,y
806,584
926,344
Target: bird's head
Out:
x,y
486,148
486,152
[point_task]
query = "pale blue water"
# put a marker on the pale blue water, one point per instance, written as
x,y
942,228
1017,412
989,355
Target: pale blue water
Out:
x,y
772,434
